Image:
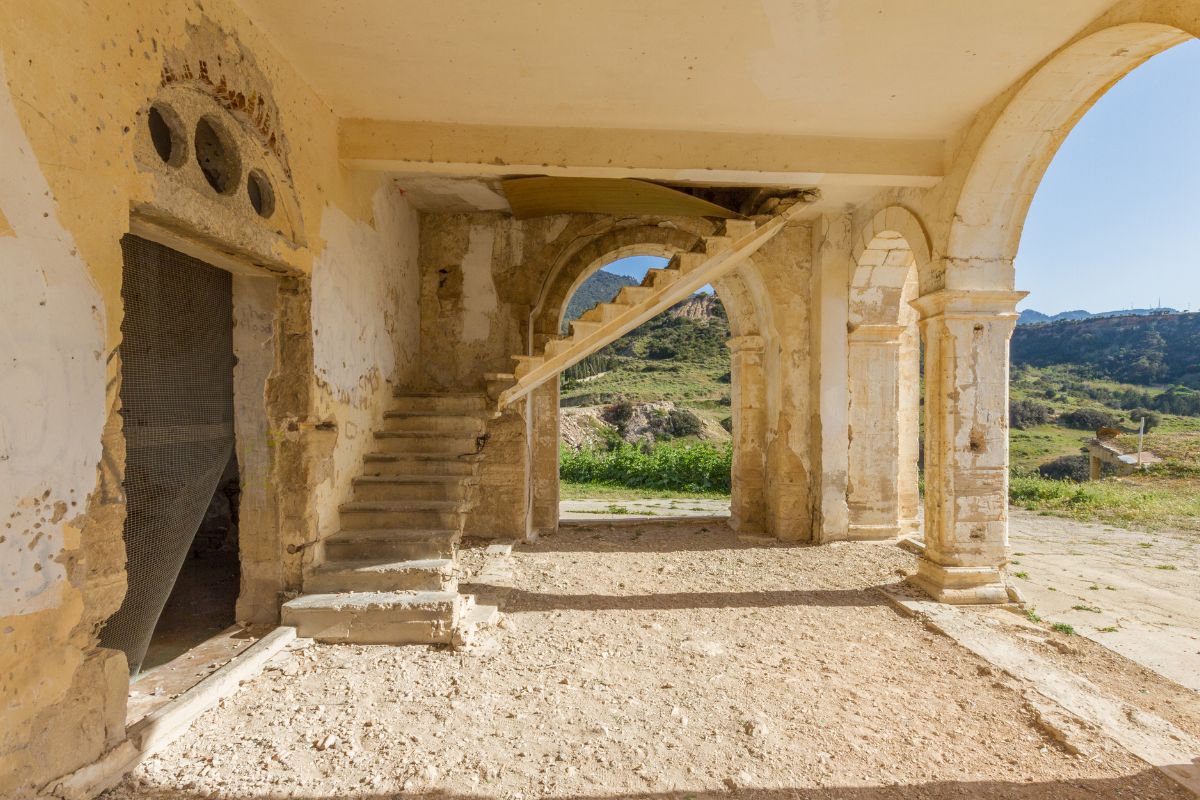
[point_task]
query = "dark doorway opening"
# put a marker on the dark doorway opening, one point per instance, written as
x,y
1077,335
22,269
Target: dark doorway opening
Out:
x,y
181,475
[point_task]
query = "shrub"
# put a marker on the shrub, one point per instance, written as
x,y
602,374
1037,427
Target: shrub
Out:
x,y
618,414
1024,414
1087,419
693,466
1066,468
1152,417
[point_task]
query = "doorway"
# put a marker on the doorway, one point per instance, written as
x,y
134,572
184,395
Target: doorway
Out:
x,y
181,477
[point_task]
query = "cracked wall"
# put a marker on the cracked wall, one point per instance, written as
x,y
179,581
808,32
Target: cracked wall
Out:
x,y
337,257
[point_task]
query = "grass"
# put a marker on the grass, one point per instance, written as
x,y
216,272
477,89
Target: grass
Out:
x,y
1135,502
608,491
1093,609
1063,627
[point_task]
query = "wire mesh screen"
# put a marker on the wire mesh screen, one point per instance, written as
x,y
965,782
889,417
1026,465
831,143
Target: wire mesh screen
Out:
x,y
177,406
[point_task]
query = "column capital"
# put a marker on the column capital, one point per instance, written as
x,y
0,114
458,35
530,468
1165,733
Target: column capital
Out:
x,y
965,303
877,333
745,344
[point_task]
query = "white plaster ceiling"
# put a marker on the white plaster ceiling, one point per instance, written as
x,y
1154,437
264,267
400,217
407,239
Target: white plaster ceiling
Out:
x,y
858,68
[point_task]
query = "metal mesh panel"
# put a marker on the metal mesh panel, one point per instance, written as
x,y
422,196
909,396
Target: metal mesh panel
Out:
x,y
177,405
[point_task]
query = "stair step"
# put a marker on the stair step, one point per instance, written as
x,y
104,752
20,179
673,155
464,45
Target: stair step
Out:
x,y
557,346
603,312
715,245
633,295
404,514
376,617
431,464
398,544
686,262
737,228
374,488
430,443
581,329
660,278
375,575
468,424
440,403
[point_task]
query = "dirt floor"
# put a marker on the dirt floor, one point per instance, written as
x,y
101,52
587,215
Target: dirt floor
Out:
x,y
640,509
664,662
1134,592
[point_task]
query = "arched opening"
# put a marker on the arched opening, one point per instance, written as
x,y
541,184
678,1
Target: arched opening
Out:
x,y
968,305
646,423
1105,345
884,385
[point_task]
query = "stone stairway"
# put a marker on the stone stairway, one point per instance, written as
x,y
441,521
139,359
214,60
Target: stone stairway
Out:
x,y
712,257
388,576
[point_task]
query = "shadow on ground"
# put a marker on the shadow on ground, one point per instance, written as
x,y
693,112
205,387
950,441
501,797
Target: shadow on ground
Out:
x,y
1148,784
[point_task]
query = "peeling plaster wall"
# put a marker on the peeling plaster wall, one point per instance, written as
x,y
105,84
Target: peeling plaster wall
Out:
x,y
75,85
366,328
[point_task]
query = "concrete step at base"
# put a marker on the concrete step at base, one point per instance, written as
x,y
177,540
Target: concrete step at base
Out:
x,y
377,617
443,444
460,424
391,544
414,514
374,575
380,463
440,403
413,487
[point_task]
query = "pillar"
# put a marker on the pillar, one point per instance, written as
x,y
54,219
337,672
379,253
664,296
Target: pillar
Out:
x,y
748,504
873,482
543,467
966,336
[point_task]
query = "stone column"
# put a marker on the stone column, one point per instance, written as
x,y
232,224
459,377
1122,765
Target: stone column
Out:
x,y
544,458
966,337
872,487
748,504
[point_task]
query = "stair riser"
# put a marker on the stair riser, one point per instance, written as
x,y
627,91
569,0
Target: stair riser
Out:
x,y
465,404
459,425
413,491
358,550
441,445
370,627
403,520
357,581
404,466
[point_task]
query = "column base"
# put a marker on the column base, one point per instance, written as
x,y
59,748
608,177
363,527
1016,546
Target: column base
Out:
x,y
867,533
960,585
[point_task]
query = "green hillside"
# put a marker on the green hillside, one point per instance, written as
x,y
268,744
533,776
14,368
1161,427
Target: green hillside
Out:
x,y
679,355
601,287
1142,350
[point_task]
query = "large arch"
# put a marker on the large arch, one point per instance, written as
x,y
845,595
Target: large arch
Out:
x,y
1007,167
968,304
883,352
742,296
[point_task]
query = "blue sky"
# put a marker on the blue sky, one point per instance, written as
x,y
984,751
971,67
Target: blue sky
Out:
x,y
1115,222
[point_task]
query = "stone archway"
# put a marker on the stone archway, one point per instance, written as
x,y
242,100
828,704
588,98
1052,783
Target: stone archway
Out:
x,y
968,302
749,375
884,377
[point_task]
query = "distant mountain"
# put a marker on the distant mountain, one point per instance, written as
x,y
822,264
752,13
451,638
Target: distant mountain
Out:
x,y
1031,317
602,287
1147,349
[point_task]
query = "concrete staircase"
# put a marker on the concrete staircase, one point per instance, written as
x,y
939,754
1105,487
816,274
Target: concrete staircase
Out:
x,y
388,576
712,257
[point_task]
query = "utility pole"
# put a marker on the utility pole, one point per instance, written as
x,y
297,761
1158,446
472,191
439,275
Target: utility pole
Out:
x,y
1141,433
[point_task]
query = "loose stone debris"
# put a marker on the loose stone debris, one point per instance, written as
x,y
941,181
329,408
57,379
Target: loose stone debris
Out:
x,y
664,662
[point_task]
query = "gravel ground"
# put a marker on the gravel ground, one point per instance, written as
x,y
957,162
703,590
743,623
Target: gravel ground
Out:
x,y
652,663
1135,592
